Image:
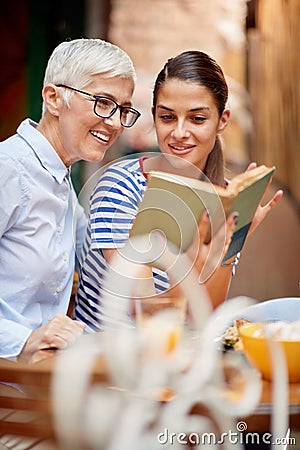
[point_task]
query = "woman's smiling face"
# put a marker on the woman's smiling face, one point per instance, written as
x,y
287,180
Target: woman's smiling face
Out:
x,y
87,135
187,121
77,133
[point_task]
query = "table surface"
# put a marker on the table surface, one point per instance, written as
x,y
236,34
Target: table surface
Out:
x,y
43,369
45,365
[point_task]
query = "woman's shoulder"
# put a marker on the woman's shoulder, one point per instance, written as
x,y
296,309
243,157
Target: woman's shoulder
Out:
x,y
129,168
125,164
125,174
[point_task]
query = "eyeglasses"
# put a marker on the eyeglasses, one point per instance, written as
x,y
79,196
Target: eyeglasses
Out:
x,y
105,107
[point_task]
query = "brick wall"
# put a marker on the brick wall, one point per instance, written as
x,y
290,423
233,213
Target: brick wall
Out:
x,y
151,31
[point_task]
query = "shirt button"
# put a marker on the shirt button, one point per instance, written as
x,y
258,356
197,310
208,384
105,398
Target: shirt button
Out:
x,y
58,289
65,257
58,229
64,197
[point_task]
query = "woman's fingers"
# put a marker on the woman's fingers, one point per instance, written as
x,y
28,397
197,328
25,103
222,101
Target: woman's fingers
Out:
x,y
203,227
58,333
197,251
262,211
231,224
222,239
61,331
251,166
209,256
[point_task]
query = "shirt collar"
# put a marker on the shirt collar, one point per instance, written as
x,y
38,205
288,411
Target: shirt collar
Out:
x,y
43,150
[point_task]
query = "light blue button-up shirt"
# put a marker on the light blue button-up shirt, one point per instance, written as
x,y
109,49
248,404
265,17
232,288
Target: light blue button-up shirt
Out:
x,y
41,228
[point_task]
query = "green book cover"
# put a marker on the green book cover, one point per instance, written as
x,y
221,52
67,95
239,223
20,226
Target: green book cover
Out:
x,y
173,205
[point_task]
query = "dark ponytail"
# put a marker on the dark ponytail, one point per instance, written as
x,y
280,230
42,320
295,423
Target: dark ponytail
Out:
x,y
214,168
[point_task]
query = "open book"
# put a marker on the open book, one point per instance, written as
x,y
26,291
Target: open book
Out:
x,y
174,204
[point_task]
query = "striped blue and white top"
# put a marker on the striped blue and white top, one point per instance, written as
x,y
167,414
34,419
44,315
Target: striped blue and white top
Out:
x,y
113,206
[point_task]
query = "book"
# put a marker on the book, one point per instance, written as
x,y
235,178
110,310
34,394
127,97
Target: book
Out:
x,y
174,204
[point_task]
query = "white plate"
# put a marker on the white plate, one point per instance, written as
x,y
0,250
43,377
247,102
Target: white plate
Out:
x,y
286,309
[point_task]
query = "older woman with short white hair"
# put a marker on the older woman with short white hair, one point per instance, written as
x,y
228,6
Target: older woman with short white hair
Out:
x,y
87,95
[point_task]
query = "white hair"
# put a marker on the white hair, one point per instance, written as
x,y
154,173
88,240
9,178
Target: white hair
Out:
x,y
75,62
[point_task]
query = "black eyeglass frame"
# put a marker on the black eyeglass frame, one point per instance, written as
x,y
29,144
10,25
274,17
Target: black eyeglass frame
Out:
x,y
117,106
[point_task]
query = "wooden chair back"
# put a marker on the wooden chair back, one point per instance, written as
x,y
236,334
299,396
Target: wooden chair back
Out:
x,y
25,402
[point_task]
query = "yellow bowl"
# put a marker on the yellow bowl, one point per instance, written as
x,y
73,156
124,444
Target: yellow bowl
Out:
x,y
256,349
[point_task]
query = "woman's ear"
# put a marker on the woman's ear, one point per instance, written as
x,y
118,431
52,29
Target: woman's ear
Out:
x,y
52,98
223,121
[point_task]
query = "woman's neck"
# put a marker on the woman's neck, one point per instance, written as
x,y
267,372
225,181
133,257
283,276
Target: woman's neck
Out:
x,y
173,165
